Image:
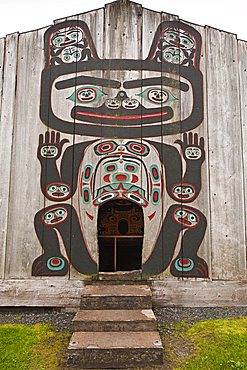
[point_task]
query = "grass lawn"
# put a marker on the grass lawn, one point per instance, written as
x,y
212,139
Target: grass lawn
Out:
x,y
207,345
31,347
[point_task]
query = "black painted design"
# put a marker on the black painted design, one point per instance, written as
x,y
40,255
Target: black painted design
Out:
x,y
70,55
122,111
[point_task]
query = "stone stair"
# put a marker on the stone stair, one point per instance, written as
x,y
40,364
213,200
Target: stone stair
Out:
x,y
115,328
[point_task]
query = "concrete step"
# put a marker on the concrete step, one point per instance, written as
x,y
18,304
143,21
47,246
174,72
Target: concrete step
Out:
x,y
114,320
111,297
104,350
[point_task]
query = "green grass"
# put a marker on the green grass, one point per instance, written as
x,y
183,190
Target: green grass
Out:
x,y
218,345
31,347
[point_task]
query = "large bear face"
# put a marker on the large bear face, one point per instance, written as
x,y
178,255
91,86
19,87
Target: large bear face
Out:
x,y
86,95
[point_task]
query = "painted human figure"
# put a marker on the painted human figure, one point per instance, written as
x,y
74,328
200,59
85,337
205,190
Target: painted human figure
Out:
x,y
141,170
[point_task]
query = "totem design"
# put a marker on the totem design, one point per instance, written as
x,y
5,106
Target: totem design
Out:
x,y
133,166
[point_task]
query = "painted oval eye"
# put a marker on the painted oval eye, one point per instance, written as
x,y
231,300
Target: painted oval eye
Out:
x,y
168,56
57,41
192,217
130,167
181,213
135,198
49,216
106,197
187,42
73,35
111,167
176,59
137,148
105,147
52,188
66,57
178,190
189,191
60,212
64,189
77,54
156,95
86,95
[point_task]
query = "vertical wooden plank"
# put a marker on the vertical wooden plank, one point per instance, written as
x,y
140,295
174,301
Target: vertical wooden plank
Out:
x,y
95,23
2,52
242,60
6,132
201,203
225,156
25,195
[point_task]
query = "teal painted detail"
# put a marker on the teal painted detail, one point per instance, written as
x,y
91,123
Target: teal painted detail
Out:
x,y
155,173
86,195
185,264
55,263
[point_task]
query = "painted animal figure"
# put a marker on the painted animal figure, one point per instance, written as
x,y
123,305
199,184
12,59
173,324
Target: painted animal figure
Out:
x,y
127,117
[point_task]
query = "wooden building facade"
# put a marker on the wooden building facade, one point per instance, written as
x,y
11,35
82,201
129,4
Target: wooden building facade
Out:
x,y
123,148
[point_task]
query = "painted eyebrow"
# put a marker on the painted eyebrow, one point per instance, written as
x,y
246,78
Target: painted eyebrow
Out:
x,y
156,81
71,82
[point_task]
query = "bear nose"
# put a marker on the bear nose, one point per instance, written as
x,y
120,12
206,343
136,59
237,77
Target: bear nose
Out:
x,y
121,95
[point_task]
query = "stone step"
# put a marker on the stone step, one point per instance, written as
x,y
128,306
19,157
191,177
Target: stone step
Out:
x,y
104,350
111,297
114,320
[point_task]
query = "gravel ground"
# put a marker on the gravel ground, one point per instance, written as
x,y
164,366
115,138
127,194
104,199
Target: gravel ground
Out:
x,y
165,316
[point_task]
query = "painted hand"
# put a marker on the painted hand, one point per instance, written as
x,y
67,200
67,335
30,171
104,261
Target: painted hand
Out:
x,y
50,146
192,147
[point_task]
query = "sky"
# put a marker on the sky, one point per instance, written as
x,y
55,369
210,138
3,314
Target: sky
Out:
x,y
27,15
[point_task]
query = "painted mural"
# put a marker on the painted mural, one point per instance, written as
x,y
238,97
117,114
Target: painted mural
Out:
x,y
127,117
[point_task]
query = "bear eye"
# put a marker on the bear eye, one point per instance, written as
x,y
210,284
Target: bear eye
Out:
x,y
157,95
86,95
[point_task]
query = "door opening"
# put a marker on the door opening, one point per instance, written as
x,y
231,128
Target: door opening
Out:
x,y
120,236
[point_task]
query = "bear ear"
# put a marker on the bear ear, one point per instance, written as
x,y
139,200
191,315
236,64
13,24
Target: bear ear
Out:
x,y
176,42
69,42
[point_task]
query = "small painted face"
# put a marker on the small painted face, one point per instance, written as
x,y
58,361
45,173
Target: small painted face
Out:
x,y
184,192
193,153
173,54
71,54
55,216
58,191
49,151
179,38
66,37
186,217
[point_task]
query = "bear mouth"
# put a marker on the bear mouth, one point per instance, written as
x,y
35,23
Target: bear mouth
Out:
x,y
139,116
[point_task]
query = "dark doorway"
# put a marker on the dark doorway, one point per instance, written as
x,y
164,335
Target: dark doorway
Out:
x,y
120,236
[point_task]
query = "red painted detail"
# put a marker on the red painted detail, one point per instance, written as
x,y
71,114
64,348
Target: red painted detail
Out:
x,y
86,195
155,196
134,179
138,148
104,147
151,216
110,168
184,221
55,262
56,219
121,177
106,178
117,118
155,173
184,262
87,173
89,216
130,168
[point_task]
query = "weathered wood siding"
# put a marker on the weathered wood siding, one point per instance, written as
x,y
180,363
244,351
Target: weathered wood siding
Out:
x,y
124,31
